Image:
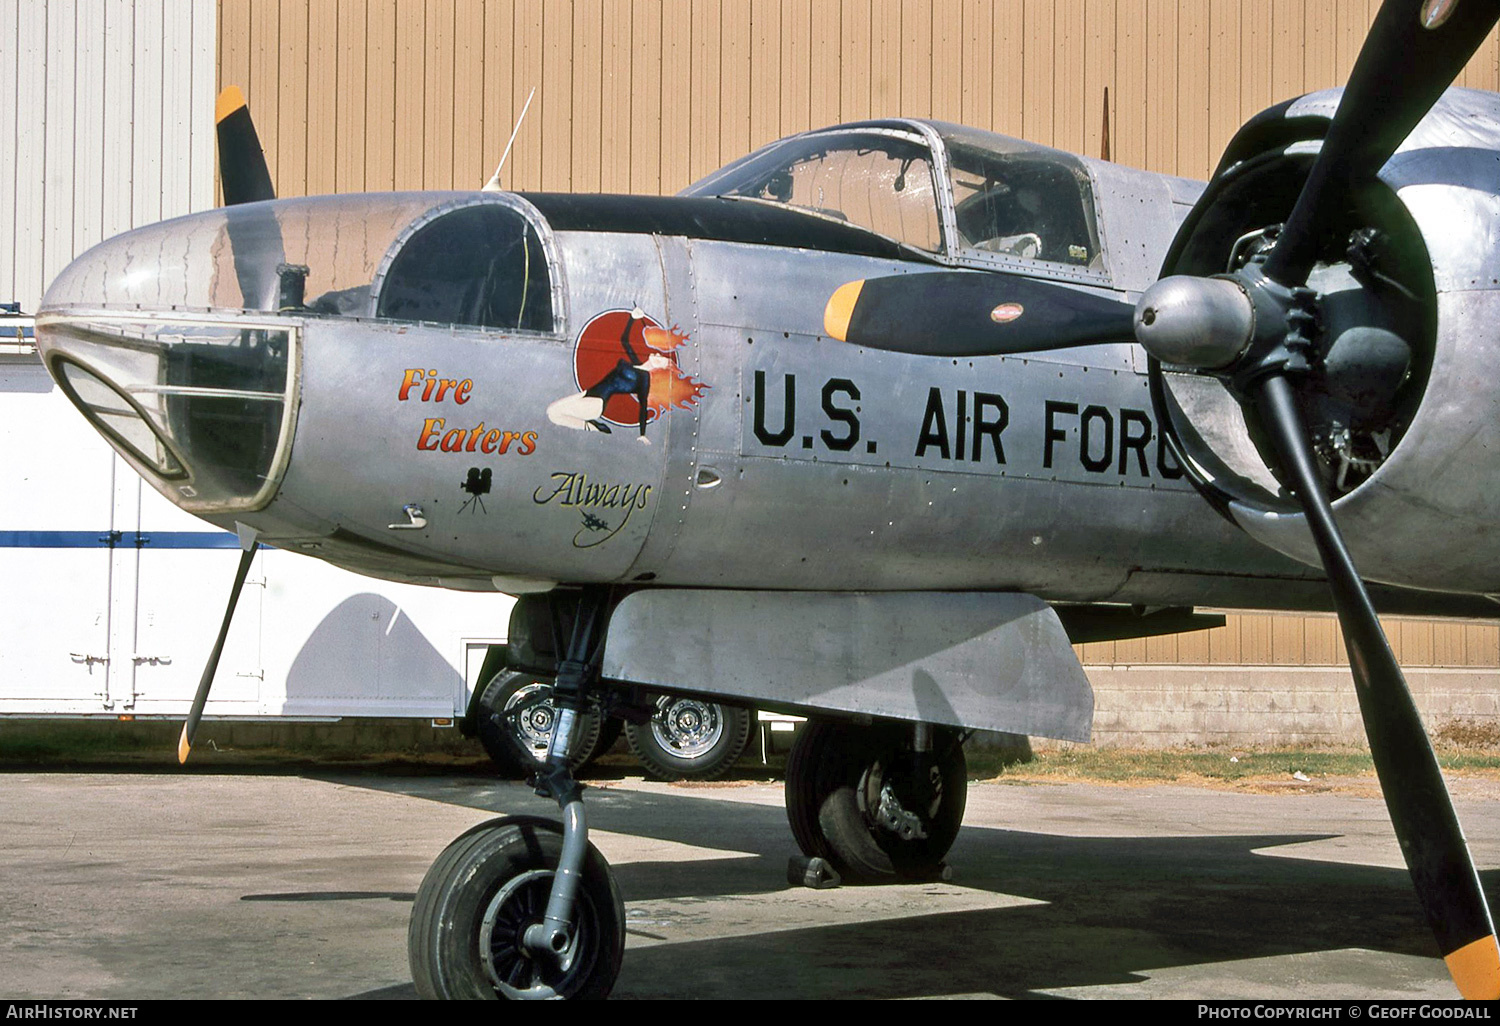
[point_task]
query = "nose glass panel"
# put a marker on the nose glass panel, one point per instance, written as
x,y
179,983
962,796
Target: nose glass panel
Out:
x,y
318,253
202,409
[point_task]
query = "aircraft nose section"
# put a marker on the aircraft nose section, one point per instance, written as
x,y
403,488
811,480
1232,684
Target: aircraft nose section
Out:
x,y
166,340
201,407
181,341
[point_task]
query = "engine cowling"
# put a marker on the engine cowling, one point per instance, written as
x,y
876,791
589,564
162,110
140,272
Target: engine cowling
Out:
x,y
1404,405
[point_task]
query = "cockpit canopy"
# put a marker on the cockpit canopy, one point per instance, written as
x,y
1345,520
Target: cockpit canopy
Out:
x,y
877,178
971,195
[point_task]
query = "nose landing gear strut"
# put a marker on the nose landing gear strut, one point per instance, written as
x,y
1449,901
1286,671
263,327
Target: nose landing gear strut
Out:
x,y
522,907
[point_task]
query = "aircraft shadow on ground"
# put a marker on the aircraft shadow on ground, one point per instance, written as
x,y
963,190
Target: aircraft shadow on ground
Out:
x,y
1115,907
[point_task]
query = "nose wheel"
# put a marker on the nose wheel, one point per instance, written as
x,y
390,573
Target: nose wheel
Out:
x,y
874,802
468,937
524,907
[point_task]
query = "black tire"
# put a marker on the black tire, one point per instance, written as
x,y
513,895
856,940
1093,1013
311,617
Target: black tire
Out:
x,y
518,742
608,735
490,884
690,739
835,775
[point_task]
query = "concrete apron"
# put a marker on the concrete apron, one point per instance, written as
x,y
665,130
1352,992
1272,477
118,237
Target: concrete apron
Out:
x,y
219,886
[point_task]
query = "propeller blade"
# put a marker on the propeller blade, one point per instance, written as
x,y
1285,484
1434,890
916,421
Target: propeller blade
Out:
x,y
1421,812
1414,51
255,244
242,162
963,313
190,728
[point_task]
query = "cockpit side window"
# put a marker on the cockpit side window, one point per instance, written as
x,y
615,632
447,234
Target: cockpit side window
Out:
x,y
481,264
1025,205
875,180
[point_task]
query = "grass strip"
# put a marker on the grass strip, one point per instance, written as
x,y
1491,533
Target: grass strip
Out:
x,y
1225,764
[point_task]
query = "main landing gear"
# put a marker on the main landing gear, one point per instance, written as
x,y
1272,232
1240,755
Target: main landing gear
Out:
x,y
522,907
877,803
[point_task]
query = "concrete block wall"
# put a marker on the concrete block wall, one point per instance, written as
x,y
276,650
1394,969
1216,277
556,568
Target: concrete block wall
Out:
x,y
1157,706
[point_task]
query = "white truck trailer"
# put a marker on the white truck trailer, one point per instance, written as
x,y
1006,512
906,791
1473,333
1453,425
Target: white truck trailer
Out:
x,y
112,596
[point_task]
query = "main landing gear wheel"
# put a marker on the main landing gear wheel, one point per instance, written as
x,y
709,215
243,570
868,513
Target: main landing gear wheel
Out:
x,y
690,739
517,741
863,799
484,890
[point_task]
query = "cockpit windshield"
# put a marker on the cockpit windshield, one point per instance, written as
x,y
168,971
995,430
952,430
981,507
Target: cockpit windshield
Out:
x,y
879,179
1020,200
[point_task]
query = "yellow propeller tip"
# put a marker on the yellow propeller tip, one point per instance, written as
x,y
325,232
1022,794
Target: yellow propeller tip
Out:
x,y
840,309
1475,967
229,101
183,746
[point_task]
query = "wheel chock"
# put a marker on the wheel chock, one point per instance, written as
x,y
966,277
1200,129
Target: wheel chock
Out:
x,y
802,871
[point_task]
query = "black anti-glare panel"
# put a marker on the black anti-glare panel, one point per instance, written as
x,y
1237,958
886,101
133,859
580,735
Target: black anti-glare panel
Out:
x,y
707,217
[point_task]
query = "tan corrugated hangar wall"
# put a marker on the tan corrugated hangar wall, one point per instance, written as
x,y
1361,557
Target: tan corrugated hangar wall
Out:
x,y
647,95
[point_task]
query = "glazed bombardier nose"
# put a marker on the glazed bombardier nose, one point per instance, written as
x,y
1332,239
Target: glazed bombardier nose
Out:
x,y
226,259
201,408
165,339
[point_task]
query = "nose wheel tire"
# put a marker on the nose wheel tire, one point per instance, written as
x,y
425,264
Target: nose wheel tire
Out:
x,y
518,741
477,900
861,798
690,739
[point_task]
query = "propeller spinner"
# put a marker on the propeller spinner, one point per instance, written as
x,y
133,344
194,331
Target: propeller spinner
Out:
x,y
1256,329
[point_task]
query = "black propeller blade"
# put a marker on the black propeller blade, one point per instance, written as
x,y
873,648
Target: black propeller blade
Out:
x,y
1421,812
1247,329
1414,51
254,235
242,162
190,728
246,179
961,313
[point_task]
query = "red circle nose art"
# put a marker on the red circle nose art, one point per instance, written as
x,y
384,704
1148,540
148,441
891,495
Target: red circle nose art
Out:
x,y
600,351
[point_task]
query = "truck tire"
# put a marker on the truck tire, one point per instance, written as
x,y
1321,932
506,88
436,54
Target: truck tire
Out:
x,y
689,738
517,738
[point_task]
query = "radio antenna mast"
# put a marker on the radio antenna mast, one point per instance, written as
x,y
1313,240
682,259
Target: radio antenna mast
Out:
x,y
493,185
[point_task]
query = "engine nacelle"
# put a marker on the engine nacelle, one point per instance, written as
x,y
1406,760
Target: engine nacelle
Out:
x,y
1416,483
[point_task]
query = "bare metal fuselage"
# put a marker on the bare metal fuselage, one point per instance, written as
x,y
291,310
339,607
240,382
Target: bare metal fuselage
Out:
x,y
805,464
774,457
